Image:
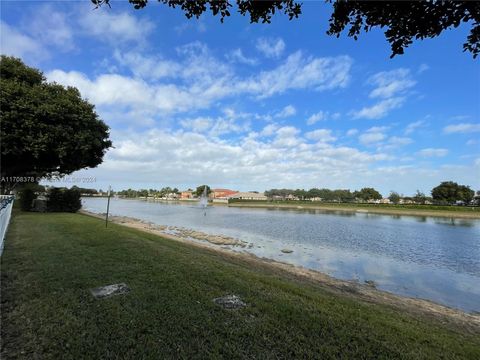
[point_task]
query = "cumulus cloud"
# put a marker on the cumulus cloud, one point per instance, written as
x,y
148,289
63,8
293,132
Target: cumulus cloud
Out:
x,y
463,128
321,135
182,157
271,48
373,135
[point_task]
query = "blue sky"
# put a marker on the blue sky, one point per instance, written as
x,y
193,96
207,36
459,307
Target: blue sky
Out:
x,y
255,106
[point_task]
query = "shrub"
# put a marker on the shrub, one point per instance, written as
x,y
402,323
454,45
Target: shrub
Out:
x,y
27,195
64,200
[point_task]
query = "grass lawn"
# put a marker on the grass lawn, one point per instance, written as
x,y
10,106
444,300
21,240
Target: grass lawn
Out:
x,y
51,261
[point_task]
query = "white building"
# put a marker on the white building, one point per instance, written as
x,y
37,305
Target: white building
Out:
x,y
248,196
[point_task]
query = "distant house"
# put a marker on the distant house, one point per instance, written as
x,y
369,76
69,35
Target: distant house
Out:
x,y
186,194
222,193
172,196
291,197
247,196
385,201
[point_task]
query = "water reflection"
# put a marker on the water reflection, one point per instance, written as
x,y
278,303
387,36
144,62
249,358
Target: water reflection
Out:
x,y
433,258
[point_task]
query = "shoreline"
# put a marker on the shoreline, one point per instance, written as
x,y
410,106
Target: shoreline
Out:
x,y
473,215
365,292
380,211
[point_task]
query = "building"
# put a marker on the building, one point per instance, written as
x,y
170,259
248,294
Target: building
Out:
x,y
222,193
186,194
248,196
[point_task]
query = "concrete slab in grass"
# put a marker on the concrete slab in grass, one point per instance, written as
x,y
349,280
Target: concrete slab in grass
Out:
x,y
110,290
230,302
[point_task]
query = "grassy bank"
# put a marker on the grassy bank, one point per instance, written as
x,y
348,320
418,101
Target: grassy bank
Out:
x,y
51,260
414,210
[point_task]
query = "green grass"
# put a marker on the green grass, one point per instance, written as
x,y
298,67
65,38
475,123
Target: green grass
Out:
x,y
52,260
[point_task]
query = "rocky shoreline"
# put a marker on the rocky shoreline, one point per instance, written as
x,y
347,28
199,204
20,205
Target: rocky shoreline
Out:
x,y
178,232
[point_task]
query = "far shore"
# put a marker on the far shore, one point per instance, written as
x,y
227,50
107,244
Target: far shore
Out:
x,y
460,213
474,214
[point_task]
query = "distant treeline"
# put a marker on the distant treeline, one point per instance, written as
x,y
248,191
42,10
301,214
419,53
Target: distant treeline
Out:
x,y
339,195
447,192
163,192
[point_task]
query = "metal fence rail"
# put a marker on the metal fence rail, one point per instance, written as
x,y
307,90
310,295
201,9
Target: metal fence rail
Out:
x,y
6,205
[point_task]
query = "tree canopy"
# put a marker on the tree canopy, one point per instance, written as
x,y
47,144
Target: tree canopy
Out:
x,y
368,194
403,21
46,129
450,192
200,189
394,197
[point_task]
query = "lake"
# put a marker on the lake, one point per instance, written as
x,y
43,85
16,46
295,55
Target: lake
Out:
x,y
426,257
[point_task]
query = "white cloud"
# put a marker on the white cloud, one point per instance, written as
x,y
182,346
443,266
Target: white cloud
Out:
x,y
373,135
287,136
379,110
107,25
269,130
321,135
392,88
238,56
422,68
464,128
433,152
184,157
113,89
300,72
399,141
391,83
314,118
200,124
148,67
166,86
352,132
287,111
12,42
369,138
271,48
50,27
410,128
322,115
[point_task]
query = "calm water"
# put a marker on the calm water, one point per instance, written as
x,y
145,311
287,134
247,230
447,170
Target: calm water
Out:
x,y
431,258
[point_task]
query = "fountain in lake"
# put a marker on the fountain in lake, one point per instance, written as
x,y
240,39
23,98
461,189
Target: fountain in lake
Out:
x,y
204,200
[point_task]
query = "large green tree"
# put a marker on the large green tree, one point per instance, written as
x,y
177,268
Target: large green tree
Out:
x,y
366,194
403,21
46,129
450,192
200,189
